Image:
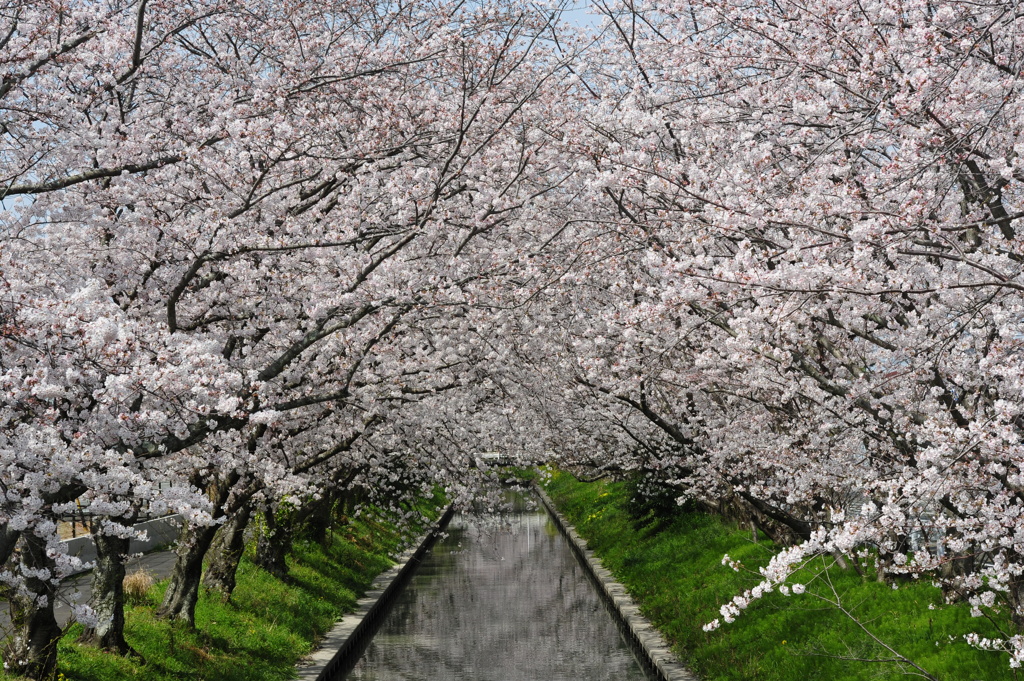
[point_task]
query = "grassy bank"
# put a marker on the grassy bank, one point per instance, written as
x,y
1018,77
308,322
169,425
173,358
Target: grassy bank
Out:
x,y
266,628
671,562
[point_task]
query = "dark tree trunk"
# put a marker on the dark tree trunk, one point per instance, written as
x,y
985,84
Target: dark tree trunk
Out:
x,y
226,553
8,540
32,650
183,591
965,564
1015,595
273,545
320,519
799,527
107,599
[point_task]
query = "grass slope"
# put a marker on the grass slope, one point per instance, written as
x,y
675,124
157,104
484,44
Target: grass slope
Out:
x,y
673,568
268,625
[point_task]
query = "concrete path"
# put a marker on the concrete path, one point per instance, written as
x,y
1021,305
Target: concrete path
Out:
x,y
159,564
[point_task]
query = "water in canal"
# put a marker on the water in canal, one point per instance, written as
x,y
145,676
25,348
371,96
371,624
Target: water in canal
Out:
x,y
499,601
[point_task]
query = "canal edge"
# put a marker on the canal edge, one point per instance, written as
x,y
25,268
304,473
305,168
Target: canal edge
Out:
x,y
646,638
351,630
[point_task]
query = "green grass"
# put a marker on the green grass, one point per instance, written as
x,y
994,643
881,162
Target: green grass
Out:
x,y
672,565
268,625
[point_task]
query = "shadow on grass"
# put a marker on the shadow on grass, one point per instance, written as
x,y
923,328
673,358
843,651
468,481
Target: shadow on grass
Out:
x,y
266,627
672,567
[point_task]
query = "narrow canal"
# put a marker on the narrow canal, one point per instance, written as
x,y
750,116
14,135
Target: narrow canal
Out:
x,y
500,599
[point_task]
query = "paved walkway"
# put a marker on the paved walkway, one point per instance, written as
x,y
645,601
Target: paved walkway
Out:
x,y
158,563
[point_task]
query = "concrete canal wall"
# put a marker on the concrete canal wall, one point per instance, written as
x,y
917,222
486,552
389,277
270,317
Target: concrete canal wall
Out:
x,y
343,645
352,631
646,639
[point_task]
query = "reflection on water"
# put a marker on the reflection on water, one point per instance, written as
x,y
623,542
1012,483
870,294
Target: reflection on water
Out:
x,y
498,601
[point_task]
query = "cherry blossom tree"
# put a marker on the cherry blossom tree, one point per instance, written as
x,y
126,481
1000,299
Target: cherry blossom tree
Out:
x,y
804,272
255,255
227,229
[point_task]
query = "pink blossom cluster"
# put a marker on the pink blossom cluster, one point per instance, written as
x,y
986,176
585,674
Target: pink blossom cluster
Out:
x,y
254,253
794,289
769,254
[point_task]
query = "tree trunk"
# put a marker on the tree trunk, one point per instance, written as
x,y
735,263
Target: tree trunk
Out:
x,y
226,553
880,569
107,599
273,545
183,591
1015,595
319,521
32,650
8,540
964,564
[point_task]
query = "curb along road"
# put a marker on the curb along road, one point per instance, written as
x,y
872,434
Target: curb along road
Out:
x,y
345,639
644,636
